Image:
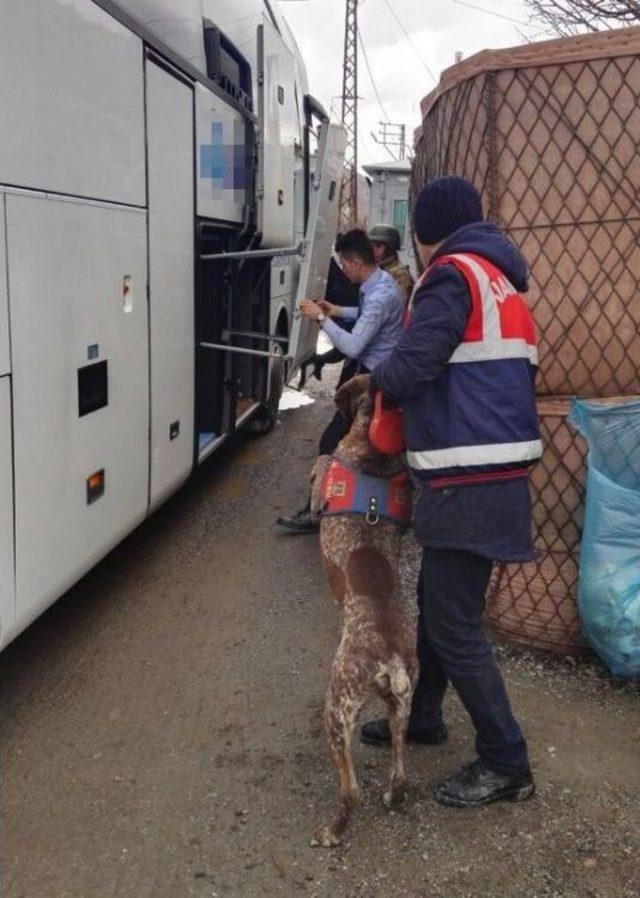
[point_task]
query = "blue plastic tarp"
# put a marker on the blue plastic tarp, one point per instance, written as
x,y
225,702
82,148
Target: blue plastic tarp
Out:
x,y
609,584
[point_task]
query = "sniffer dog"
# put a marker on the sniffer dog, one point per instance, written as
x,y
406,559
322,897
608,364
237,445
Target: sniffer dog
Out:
x,y
376,655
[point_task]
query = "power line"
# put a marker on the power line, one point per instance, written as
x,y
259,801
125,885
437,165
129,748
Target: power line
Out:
x,y
377,93
490,12
372,147
524,37
373,83
380,143
408,38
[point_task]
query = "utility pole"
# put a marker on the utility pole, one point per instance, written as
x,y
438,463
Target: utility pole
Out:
x,y
348,208
392,135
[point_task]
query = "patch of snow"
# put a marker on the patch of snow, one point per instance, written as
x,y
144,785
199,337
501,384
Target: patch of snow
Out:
x,y
294,399
324,344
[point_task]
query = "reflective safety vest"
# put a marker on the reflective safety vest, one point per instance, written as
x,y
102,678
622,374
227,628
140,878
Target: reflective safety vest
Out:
x,y
479,416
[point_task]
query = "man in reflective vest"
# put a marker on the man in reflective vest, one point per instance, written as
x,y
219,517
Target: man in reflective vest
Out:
x,y
463,373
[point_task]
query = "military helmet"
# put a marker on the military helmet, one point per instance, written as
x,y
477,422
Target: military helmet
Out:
x,y
387,234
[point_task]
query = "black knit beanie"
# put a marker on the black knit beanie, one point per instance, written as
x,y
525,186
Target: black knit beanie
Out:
x,y
443,206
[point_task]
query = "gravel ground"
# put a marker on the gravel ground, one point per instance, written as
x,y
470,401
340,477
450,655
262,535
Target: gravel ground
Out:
x,y
161,728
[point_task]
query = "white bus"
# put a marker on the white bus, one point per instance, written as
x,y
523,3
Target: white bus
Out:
x,y
157,224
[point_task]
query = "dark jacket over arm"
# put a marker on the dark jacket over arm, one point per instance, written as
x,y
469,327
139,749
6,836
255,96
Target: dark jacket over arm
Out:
x,y
492,520
441,309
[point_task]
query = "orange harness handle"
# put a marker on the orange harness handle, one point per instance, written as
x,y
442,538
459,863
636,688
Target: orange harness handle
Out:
x,y
386,430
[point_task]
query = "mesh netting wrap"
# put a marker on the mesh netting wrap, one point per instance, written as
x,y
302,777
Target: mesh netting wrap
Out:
x,y
536,603
549,134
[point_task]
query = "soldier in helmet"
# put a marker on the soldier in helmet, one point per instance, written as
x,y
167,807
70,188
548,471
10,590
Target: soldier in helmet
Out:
x,y
386,243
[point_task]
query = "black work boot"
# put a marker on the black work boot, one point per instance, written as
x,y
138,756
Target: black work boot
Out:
x,y
476,784
300,522
376,732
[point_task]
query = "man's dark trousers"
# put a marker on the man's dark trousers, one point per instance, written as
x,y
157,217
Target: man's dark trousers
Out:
x,y
338,427
453,647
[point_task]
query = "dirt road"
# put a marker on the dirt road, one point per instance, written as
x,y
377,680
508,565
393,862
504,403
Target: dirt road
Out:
x,y
161,730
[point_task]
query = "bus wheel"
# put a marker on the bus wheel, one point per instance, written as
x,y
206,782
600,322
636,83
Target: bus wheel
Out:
x,y
265,418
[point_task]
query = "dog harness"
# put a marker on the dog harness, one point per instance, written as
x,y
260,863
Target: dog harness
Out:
x,y
348,491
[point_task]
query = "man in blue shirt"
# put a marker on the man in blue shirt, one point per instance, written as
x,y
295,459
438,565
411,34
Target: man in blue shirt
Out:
x,y
341,292
377,328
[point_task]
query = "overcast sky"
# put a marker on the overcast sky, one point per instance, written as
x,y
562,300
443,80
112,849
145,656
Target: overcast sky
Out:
x,y
437,29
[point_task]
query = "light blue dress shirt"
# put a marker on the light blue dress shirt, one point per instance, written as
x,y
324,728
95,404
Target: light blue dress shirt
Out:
x,y
379,321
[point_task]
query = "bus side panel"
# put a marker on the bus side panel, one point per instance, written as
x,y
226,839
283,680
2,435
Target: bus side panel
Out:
x,y
280,130
171,259
77,289
5,362
7,599
221,158
71,101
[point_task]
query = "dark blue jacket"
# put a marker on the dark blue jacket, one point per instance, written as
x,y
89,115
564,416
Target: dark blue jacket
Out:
x,y
492,519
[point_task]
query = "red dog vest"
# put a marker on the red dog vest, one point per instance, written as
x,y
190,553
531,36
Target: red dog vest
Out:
x,y
347,491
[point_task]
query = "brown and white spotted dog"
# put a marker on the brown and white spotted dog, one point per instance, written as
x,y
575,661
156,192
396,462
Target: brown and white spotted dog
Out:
x,y
376,655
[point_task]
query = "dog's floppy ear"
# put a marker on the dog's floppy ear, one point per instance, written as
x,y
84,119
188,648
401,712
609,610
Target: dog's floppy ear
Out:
x,y
343,401
316,477
346,397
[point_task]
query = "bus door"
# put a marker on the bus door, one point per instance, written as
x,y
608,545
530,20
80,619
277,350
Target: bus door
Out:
x,y
323,221
7,593
169,111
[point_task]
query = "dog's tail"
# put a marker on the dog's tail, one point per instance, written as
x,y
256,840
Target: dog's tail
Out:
x,y
392,677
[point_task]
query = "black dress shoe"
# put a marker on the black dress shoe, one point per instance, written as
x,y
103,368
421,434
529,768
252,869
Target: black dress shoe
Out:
x,y
376,732
476,784
300,522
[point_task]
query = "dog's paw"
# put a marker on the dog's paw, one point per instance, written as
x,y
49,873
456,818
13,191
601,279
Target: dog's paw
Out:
x,y
324,837
394,797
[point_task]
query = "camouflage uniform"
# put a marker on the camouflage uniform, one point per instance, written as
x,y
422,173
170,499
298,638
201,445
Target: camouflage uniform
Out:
x,y
400,273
